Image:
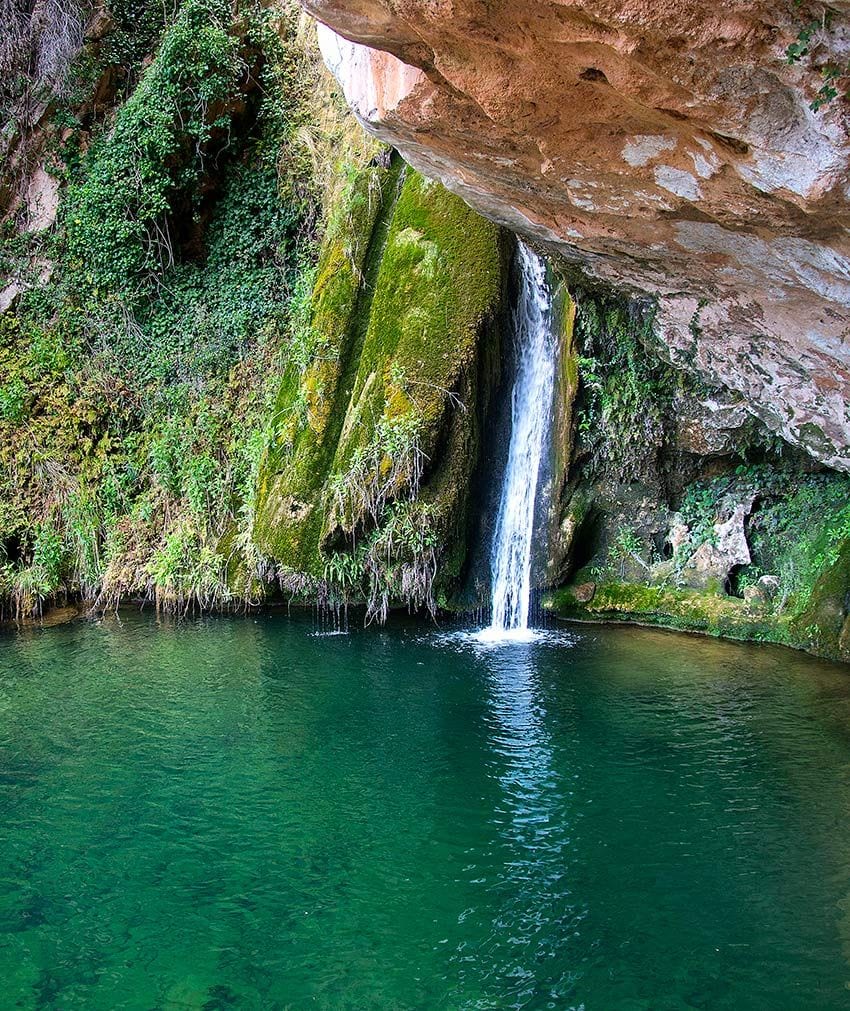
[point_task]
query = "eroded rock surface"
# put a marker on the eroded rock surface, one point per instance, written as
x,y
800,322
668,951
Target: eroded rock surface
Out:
x,y
666,148
713,561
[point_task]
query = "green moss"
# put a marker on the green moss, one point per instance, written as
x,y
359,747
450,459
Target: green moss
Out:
x,y
385,415
822,628
315,388
689,610
567,383
440,275
822,625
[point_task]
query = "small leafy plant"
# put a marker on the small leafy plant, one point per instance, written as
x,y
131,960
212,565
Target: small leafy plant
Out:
x,y
811,38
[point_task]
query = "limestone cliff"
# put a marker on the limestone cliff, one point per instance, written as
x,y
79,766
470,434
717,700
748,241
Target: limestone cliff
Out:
x,y
663,148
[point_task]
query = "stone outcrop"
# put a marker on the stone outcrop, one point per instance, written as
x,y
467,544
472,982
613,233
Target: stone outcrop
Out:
x,y
713,560
381,422
662,148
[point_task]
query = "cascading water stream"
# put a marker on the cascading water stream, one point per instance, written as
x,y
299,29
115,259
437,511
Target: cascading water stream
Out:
x,y
531,411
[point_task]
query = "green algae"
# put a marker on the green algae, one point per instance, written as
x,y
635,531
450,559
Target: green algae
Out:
x,y
667,607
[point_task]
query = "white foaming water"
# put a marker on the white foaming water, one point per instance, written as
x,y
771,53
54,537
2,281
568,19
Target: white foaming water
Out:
x,y
531,411
482,641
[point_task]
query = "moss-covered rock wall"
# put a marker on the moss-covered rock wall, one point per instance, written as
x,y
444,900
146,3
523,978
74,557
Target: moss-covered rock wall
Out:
x,y
364,487
678,509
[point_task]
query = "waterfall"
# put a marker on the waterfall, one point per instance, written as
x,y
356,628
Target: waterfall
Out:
x,y
531,411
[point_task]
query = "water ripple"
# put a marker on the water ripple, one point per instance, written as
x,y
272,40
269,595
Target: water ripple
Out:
x,y
240,814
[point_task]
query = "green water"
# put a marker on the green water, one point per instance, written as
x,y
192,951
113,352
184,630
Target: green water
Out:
x,y
240,814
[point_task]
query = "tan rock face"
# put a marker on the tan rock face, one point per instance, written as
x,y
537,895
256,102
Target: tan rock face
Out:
x,y
663,147
712,562
42,200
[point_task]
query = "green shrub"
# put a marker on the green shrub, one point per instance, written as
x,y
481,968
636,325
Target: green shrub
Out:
x,y
116,215
625,391
35,583
13,400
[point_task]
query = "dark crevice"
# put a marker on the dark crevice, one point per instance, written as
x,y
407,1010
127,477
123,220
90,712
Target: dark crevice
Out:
x,y
732,143
193,208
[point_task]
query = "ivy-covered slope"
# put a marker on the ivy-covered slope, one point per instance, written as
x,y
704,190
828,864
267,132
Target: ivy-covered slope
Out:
x,y
229,271
146,317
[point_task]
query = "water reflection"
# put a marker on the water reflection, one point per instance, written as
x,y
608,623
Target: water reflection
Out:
x,y
534,932
240,814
